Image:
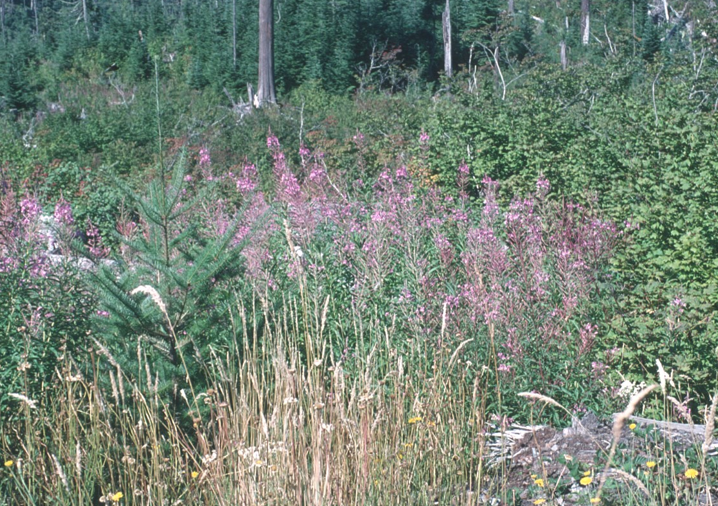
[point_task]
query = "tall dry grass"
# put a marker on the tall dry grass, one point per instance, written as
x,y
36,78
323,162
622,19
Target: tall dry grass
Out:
x,y
282,423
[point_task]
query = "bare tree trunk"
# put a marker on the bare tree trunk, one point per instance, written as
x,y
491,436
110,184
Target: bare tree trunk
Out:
x,y
85,18
564,57
2,19
234,33
446,25
585,21
33,5
511,7
266,93
501,74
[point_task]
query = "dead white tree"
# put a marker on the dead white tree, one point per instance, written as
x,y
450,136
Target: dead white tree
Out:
x,y
493,56
33,7
585,21
79,9
266,93
446,26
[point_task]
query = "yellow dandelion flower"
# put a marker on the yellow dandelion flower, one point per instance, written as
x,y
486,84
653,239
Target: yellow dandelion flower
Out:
x,y
586,481
595,500
587,473
9,463
539,501
414,419
534,476
116,497
632,426
431,424
194,474
691,473
539,482
650,464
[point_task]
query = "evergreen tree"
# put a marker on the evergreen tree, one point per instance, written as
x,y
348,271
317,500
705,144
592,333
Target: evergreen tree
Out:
x,y
651,40
17,91
170,290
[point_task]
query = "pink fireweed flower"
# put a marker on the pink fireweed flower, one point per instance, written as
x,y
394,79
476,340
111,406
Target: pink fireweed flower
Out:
x,y
8,264
38,266
63,212
424,138
542,185
587,335
126,228
245,185
488,182
678,304
272,142
204,158
380,216
246,182
94,241
599,368
30,209
288,185
317,174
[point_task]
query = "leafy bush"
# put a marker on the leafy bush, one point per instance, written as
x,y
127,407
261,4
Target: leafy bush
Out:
x,y
650,169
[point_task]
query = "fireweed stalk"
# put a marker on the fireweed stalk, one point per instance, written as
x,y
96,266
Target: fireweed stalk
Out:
x,y
404,252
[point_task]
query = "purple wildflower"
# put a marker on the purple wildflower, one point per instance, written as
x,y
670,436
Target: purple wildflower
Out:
x,y
94,241
63,212
30,209
204,158
542,186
